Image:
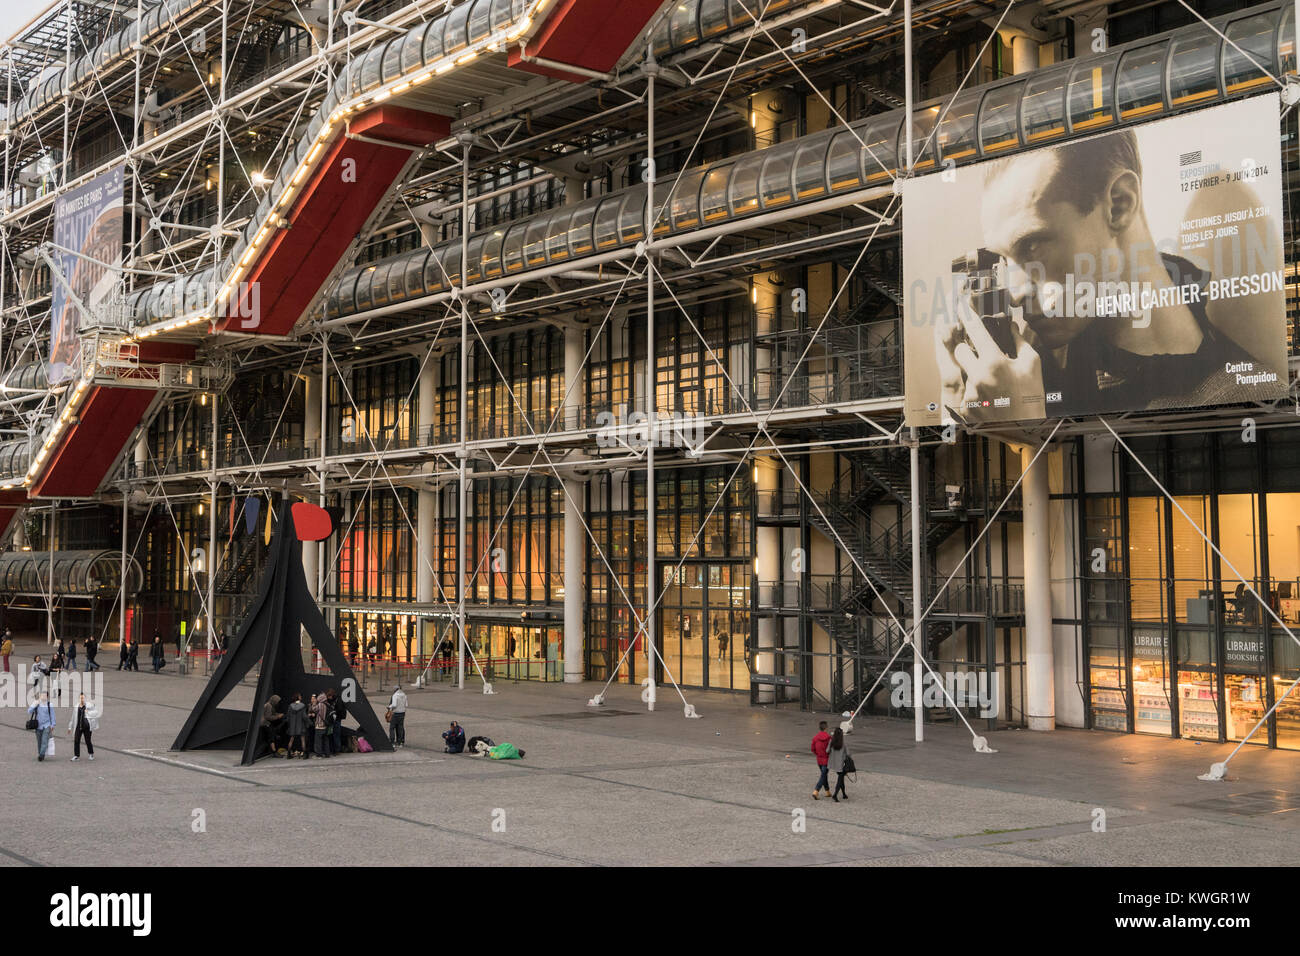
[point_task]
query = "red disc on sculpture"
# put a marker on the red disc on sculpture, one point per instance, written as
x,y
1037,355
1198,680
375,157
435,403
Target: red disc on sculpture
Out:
x,y
311,522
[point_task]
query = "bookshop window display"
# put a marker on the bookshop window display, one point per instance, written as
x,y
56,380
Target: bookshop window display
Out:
x,y
1177,645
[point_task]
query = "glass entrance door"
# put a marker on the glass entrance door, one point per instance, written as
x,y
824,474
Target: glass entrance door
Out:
x,y
703,623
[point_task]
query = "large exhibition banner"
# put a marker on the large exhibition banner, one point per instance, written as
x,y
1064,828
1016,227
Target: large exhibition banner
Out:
x,y
1137,270
88,235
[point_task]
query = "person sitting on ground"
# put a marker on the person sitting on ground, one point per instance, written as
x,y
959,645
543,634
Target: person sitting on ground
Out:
x,y
455,738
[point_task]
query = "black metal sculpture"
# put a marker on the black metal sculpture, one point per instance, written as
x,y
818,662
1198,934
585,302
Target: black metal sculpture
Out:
x,y
270,633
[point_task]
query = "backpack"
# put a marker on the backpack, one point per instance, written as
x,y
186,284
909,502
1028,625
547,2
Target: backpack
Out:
x,y
363,746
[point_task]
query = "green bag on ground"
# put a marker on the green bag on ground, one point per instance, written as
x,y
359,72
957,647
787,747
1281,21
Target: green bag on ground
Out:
x,y
504,752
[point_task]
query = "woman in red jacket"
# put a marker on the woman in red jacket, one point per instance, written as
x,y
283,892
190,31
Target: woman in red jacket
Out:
x,y
821,747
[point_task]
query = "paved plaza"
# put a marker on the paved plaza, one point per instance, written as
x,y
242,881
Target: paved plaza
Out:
x,y
619,785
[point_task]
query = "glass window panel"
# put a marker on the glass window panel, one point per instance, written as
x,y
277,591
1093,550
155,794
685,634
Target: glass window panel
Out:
x,y
999,124
514,248
713,195
557,236
580,230
810,169
1092,94
631,220
1043,106
1194,69
844,162
606,227
685,203
742,191
1249,54
1140,87
775,178
956,137
491,260
535,241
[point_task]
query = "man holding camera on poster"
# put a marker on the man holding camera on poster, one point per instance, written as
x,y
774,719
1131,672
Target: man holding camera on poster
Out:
x,y
1049,219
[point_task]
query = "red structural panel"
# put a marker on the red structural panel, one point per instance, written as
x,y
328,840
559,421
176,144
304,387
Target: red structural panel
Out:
x,y
334,204
105,421
592,34
103,424
11,503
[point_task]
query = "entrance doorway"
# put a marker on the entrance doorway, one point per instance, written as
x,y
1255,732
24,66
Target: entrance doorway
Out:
x,y
703,625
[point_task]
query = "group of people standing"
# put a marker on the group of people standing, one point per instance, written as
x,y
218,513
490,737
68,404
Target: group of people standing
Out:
x,y
304,729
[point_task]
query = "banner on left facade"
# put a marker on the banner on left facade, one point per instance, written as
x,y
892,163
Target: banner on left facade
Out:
x,y
88,225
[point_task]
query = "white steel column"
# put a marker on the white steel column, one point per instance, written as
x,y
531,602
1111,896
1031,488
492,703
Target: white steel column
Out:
x,y
311,432
49,602
918,666
462,453
121,598
213,548
575,535
1040,688
651,68
426,518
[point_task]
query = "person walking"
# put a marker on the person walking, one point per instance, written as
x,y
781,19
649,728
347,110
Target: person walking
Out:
x,y
397,726
297,720
157,653
40,671
123,655
820,747
7,648
72,655
85,721
322,714
133,662
92,648
840,762
43,712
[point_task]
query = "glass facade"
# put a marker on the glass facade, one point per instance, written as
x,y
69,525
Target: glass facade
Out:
x,y
1187,639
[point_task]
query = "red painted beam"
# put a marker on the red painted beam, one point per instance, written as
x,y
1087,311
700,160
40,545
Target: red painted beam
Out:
x,y
592,34
105,421
333,206
7,516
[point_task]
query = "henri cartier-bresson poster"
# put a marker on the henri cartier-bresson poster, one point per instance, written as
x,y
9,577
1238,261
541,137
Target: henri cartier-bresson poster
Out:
x,y
1136,270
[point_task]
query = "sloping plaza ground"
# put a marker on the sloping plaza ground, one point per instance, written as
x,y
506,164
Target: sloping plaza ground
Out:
x,y
619,785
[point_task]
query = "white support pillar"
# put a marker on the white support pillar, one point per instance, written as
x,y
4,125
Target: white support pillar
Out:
x,y
141,454
1024,54
1040,687
575,535
426,520
311,550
